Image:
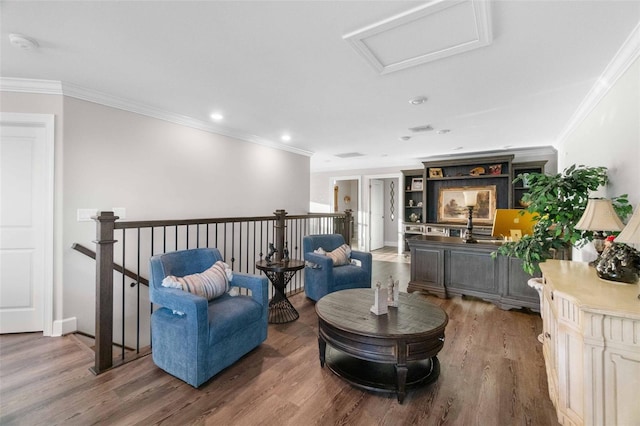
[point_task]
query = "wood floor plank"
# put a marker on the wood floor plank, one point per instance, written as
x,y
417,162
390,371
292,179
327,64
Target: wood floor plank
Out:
x,y
492,373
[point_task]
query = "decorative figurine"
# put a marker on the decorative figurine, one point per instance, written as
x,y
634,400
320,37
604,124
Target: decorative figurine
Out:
x,y
379,301
285,252
393,292
272,251
619,262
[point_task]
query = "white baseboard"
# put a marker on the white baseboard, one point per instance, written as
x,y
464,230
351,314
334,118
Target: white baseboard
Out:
x,y
391,243
65,326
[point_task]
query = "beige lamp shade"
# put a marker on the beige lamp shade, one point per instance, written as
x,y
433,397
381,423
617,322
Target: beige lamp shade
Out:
x,y
599,216
470,198
631,233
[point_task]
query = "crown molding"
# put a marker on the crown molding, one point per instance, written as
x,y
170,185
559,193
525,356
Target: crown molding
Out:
x,y
628,53
24,85
51,87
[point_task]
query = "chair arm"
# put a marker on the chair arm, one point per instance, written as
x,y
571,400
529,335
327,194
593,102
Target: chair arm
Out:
x,y
325,262
179,300
365,259
258,285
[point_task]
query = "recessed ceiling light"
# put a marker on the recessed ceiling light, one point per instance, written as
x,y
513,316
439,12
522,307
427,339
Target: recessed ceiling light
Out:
x,y
216,116
458,148
405,138
443,131
23,42
286,137
418,100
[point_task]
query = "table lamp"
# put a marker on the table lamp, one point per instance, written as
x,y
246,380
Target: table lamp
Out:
x,y
631,233
628,256
599,217
470,201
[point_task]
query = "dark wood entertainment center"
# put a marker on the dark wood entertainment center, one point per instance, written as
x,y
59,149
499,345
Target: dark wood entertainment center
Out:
x,y
440,262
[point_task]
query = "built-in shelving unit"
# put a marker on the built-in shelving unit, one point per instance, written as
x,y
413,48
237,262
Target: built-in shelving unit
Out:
x,y
439,177
413,195
466,173
520,187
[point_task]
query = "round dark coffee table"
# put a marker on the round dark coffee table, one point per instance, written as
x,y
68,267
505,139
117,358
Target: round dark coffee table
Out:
x,y
388,353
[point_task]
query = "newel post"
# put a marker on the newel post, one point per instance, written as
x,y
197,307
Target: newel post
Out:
x,y
346,229
280,228
105,222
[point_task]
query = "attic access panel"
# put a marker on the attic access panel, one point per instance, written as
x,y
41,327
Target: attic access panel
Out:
x,y
427,33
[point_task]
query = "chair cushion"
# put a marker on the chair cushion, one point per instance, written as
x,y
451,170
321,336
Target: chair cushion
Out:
x,y
350,276
229,315
210,284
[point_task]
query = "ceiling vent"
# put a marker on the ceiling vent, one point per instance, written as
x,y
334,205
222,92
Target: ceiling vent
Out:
x,y
423,34
425,128
350,155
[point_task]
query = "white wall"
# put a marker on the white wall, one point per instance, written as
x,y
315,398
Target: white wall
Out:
x,y
610,136
391,225
106,157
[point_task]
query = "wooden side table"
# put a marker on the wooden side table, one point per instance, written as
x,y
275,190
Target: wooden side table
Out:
x,y
280,273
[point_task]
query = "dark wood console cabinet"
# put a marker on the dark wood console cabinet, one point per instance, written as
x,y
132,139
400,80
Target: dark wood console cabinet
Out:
x,y
446,266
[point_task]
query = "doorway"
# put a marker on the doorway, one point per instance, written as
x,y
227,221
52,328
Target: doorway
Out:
x,y
376,213
346,196
26,222
384,204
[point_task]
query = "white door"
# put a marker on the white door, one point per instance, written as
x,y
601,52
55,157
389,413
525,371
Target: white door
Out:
x,y
26,222
377,214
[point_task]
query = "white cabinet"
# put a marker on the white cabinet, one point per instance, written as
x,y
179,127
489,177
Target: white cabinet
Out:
x,y
591,345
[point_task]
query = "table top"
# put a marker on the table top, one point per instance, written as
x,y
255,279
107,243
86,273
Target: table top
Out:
x,y
349,310
580,282
290,265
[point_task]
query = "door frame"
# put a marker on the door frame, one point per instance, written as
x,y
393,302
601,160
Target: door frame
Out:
x,y
47,122
400,193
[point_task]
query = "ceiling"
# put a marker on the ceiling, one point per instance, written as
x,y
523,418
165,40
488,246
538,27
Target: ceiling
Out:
x,y
275,67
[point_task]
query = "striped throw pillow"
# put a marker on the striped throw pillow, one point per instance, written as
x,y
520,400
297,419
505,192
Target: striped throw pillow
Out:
x,y
212,283
341,255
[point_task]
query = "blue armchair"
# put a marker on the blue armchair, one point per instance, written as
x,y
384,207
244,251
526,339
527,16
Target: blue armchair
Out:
x,y
192,338
323,278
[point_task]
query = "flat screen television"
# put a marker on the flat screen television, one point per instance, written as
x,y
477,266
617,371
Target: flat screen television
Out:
x,y
512,223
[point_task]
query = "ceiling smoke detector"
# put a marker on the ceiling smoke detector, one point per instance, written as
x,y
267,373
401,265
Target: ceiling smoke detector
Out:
x,y
23,42
418,100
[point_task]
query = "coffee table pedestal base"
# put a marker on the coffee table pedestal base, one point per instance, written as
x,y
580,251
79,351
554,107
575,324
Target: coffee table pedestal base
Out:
x,y
381,377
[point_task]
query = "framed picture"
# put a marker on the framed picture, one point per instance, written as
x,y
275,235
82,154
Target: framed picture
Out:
x,y
435,172
416,184
451,206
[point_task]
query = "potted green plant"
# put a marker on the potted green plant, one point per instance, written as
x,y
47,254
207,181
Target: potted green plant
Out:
x,y
558,202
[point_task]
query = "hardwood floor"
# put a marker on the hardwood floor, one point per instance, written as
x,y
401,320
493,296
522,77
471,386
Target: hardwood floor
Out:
x,y
492,373
387,262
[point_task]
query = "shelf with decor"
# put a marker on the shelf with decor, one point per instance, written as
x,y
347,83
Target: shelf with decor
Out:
x,y
447,179
413,181
520,187
413,211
